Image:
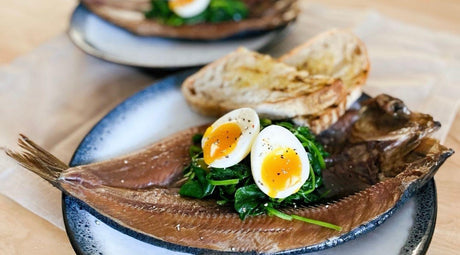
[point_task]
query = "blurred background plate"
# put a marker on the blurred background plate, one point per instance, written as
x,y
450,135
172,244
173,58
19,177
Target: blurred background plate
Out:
x,y
104,40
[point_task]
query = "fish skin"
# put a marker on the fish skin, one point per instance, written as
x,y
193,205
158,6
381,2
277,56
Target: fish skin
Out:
x,y
163,214
380,135
153,206
169,157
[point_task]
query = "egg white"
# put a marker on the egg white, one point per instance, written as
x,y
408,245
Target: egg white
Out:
x,y
269,139
190,9
248,121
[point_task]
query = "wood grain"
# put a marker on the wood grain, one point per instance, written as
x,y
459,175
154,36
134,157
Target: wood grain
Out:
x,y
23,232
446,239
26,24
433,14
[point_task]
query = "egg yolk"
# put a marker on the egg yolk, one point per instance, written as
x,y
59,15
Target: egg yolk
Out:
x,y
173,4
281,169
220,141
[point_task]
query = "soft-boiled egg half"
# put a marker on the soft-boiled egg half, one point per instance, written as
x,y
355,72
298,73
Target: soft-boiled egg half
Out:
x,y
229,139
188,8
279,162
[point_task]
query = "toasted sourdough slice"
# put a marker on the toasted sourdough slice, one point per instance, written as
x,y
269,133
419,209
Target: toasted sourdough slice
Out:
x,y
323,119
338,54
129,14
248,79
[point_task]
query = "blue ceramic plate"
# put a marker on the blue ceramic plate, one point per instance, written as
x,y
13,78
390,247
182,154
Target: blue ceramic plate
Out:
x,y
104,40
160,110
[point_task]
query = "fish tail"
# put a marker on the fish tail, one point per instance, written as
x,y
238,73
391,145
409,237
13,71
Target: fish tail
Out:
x,y
38,160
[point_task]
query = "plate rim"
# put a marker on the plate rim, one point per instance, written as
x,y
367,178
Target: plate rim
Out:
x,y
75,35
421,246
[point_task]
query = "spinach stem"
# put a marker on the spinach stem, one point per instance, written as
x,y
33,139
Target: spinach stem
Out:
x,y
274,212
315,150
313,182
223,182
317,222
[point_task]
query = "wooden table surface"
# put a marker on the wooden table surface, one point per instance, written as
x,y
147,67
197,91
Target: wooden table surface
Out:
x,y
26,24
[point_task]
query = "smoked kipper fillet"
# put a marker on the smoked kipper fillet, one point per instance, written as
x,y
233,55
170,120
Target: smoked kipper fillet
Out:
x,y
140,191
130,15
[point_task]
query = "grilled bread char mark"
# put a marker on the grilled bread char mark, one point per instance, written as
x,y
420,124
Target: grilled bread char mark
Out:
x,y
336,53
248,79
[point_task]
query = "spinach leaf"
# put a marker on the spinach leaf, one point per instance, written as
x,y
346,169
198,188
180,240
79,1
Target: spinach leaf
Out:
x,y
249,200
197,187
196,139
238,171
160,9
235,185
217,11
224,10
265,123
